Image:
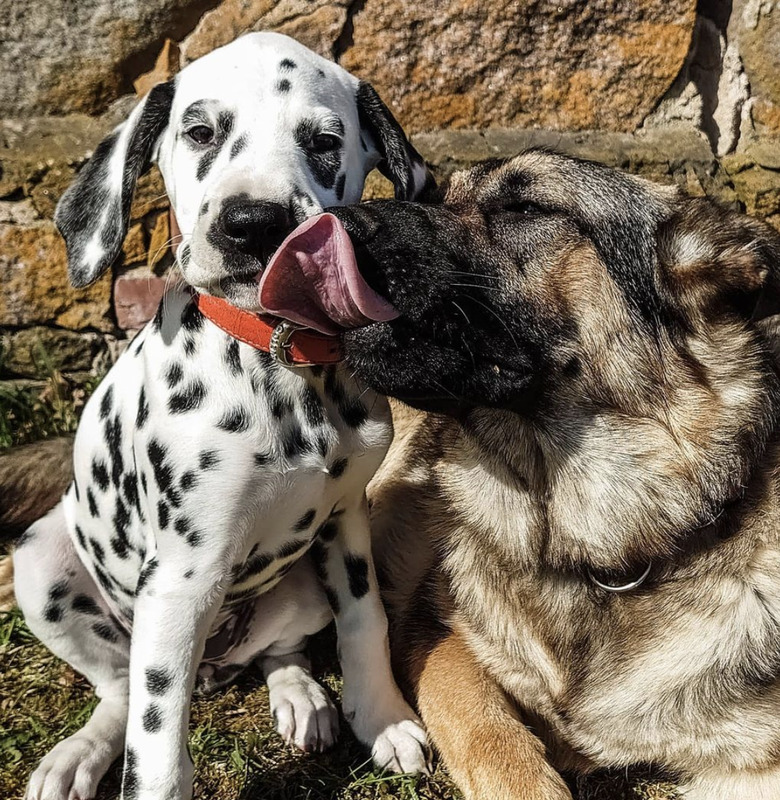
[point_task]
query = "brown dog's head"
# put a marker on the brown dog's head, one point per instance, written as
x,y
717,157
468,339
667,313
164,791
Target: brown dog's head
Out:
x,y
545,272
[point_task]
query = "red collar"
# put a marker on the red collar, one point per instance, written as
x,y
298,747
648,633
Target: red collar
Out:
x,y
290,344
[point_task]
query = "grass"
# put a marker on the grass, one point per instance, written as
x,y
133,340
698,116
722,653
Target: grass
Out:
x,y
30,410
237,754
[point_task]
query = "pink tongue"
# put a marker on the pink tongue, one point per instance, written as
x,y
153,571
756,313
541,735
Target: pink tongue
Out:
x,y
313,280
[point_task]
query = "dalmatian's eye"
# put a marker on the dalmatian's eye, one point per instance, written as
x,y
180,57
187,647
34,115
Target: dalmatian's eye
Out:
x,y
324,143
201,134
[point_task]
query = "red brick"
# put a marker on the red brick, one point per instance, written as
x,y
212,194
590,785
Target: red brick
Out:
x,y
136,297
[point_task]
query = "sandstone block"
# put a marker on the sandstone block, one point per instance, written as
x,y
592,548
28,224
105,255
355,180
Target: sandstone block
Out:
x,y
315,23
34,287
134,247
35,352
80,56
570,65
159,240
756,26
166,66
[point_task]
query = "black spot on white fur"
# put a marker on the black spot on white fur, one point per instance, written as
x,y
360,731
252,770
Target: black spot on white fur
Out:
x,y
174,375
237,147
163,474
130,777
312,406
146,575
305,521
338,467
208,459
352,410
114,440
105,632
183,255
235,421
357,575
291,548
188,399
295,443
100,474
152,718
107,402
158,680
92,504
143,410
84,604
191,318
328,531
163,514
233,356
262,459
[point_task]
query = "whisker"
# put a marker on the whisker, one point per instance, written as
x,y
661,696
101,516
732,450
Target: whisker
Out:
x,y
151,258
477,286
444,389
465,316
474,275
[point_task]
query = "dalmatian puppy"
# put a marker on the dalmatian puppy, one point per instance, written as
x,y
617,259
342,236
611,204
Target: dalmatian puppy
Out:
x,y
218,516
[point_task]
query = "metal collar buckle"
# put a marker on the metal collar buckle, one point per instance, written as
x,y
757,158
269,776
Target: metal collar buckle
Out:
x,y
281,344
626,587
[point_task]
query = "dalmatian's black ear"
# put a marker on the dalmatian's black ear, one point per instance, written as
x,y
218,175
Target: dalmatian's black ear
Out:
x,y
93,214
399,161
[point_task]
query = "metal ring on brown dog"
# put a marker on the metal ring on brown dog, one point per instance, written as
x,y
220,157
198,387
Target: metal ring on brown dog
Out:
x,y
626,587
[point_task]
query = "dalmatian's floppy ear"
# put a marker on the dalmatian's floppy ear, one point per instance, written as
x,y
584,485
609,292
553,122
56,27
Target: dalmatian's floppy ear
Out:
x,y
399,161
93,214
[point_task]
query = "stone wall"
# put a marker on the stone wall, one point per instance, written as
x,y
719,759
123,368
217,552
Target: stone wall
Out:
x,y
678,90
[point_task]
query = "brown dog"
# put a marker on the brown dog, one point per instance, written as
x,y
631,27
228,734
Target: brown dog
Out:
x,y
581,539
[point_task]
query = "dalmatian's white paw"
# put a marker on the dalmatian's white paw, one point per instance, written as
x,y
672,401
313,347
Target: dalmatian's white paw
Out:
x,y
402,747
71,770
392,730
304,714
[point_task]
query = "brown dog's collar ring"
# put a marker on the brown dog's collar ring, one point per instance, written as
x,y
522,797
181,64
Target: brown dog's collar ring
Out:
x,y
626,587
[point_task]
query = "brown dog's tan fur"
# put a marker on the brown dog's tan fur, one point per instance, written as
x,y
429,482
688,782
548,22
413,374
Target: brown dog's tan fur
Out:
x,y
651,446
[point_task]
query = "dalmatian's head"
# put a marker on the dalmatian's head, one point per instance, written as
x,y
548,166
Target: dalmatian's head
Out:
x,y
250,140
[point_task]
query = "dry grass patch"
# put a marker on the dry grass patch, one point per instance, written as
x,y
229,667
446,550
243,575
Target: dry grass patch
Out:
x,y
238,755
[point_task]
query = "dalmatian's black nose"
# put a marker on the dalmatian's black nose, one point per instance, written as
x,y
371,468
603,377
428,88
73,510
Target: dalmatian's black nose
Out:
x,y
253,227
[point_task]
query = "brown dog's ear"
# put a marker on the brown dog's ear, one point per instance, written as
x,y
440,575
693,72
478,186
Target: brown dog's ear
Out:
x,y
719,260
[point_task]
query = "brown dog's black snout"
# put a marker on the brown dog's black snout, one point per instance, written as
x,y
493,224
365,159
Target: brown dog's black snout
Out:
x,y
254,228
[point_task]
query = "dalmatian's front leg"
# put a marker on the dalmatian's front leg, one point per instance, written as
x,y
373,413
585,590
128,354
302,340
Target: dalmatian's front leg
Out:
x,y
372,702
171,624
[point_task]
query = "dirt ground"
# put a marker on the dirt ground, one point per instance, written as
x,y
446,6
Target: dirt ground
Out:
x,y
237,754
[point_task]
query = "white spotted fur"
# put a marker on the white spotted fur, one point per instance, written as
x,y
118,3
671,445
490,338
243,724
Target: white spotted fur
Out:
x,y
236,508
